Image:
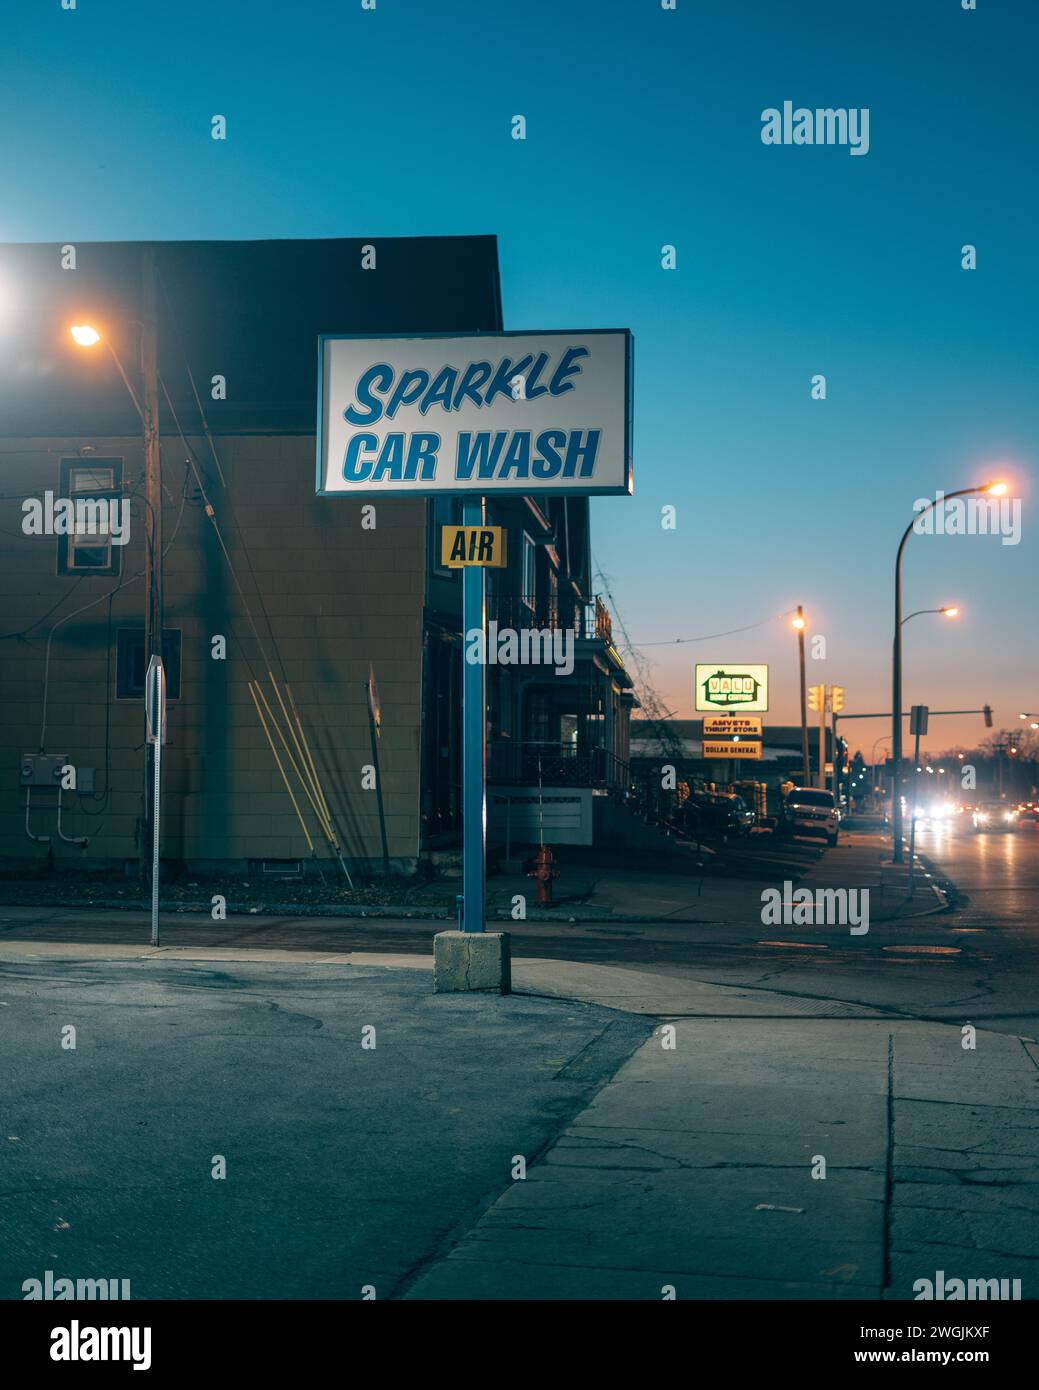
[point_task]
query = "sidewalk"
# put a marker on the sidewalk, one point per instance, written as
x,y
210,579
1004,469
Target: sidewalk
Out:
x,y
582,893
693,1168
687,1165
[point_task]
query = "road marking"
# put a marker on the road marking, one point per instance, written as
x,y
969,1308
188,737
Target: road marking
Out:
x,y
799,945
925,950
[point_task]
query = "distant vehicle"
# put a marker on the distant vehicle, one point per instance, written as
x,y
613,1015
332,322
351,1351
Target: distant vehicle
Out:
x,y
1028,811
994,815
808,811
716,813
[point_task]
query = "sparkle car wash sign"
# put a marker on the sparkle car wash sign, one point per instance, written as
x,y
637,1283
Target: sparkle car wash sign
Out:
x,y
481,413
730,689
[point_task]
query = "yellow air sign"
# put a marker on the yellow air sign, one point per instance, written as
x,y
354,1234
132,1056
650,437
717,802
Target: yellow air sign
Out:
x,y
473,545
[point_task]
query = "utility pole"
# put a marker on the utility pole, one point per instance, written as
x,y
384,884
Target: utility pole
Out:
x,y
152,516
824,691
800,625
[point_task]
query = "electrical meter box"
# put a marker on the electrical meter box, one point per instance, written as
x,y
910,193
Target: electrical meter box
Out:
x,y
42,769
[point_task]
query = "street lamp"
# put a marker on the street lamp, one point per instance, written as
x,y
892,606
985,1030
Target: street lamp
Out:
x,y
873,763
87,336
799,623
993,489
945,610
1032,717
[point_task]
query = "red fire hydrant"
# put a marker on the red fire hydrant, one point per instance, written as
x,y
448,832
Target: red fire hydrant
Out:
x,y
543,873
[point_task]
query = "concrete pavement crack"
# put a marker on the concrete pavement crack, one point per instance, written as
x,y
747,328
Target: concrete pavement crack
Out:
x,y
889,1162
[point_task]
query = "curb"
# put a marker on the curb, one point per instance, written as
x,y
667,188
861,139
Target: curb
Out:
x,y
375,912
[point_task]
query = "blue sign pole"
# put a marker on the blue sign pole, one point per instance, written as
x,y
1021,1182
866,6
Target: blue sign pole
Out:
x,y
474,742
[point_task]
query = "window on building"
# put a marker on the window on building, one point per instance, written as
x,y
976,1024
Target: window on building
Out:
x,y
528,577
131,665
95,483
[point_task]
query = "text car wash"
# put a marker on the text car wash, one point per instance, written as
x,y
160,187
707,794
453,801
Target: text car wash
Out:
x,y
413,455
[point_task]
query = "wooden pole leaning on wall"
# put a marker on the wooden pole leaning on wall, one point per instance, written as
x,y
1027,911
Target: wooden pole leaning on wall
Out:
x,y
336,845
277,760
307,775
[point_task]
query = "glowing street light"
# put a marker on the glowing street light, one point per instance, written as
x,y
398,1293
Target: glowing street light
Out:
x,y
84,335
994,488
946,610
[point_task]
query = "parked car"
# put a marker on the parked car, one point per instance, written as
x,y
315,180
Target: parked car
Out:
x,y
994,815
716,813
808,811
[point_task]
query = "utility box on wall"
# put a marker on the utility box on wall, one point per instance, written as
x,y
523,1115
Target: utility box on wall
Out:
x,y
42,769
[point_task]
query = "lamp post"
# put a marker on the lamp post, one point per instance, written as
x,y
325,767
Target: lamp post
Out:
x,y
147,407
873,764
799,623
946,610
994,490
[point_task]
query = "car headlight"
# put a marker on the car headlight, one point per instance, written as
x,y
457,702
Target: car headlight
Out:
x,y
981,817
1008,815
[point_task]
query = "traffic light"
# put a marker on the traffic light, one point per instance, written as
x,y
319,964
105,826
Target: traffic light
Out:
x,y
987,711
816,697
837,698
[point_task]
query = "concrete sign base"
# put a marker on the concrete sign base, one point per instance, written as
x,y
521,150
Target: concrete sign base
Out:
x,y
477,961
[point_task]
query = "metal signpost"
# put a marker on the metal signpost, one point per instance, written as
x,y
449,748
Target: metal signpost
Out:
x,y
917,726
371,692
474,739
155,714
475,415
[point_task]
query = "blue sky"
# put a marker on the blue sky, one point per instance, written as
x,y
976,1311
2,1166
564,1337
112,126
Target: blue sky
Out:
x,y
644,130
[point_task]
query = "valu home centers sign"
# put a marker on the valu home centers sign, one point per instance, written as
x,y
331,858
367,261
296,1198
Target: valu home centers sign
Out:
x,y
478,413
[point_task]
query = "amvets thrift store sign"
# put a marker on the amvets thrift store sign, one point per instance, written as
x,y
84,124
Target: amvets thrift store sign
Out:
x,y
487,413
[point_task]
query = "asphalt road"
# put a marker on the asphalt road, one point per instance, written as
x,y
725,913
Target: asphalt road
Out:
x,y
350,1159
977,963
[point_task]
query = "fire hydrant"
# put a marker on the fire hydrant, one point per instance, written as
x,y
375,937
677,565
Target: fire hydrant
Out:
x,y
543,873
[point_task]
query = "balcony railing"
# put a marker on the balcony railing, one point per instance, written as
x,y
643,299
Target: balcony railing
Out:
x,y
587,620
556,765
